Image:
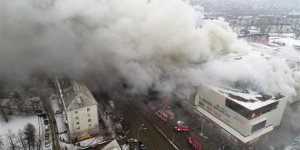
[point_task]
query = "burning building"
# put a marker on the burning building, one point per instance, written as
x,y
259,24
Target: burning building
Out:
x,y
80,109
244,116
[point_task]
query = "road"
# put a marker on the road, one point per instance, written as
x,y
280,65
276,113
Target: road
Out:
x,y
53,127
138,113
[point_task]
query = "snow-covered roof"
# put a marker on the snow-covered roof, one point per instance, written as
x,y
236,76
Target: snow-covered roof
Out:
x,y
77,95
250,100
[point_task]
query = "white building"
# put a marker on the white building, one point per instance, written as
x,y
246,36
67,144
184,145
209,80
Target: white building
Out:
x,y
243,116
80,110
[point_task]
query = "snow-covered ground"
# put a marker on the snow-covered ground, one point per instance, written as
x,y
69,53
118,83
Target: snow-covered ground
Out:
x,y
18,123
15,124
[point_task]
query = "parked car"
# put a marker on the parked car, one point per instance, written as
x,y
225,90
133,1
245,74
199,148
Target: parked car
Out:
x,y
58,112
47,144
47,136
141,146
182,128
46,122
162,115
151,105
44,115
132,140
195,144
46,128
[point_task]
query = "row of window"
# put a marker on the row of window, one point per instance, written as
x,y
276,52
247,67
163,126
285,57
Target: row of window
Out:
x,y
78,128
89,115
89,120
88,109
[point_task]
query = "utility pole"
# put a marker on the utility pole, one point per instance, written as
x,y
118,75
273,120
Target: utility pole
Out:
x,y
138,134
201,133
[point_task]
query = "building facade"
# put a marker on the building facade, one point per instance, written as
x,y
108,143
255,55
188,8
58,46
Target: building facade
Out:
x,y
244,116
80,110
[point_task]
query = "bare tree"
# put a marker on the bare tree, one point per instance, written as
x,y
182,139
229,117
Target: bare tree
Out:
x,y
30,135
11,138
1,142
4,114
21,139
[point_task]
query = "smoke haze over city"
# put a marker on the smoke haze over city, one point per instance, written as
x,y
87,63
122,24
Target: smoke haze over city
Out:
x,y
148,44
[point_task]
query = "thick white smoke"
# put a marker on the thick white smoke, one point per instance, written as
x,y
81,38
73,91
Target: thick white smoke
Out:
x,y
156,44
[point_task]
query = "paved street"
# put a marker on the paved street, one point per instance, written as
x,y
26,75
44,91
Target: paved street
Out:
x,y
138,113
52,122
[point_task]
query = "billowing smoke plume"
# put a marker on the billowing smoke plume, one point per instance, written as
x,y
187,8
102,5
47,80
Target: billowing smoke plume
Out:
x,y
156,44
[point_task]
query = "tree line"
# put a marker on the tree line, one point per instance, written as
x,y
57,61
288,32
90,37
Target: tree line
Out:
x,y
25,139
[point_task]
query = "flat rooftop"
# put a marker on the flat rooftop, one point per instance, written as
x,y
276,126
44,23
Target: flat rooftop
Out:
x,y
250,100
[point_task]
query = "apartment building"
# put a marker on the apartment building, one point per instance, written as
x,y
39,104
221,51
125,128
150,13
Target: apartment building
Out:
x,y
80,110
243,116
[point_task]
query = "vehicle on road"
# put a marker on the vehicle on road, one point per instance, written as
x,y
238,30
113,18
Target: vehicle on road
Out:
x,y
46,122
182,128
141,146
180,122
162,115
195,144
132,140
151,105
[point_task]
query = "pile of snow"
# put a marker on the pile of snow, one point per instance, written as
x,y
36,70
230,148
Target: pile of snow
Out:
x,y
14,125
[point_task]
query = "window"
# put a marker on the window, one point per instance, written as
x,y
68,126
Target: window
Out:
x,y
77,118
258,126
77,122
90,125
89,115
88,109
78,128
76,112
89,120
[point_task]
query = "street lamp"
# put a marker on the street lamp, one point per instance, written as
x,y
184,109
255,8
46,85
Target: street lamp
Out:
x,y
201,132
138,134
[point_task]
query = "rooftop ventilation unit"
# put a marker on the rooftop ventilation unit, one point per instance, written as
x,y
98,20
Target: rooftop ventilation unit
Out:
x,y
78,100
